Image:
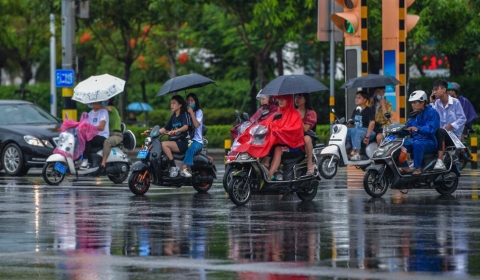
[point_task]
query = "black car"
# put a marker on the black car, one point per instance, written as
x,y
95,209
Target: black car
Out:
x,y
28,135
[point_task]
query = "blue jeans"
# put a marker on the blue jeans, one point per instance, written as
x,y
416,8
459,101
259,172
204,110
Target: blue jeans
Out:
x,y
418,148
356,135
194,148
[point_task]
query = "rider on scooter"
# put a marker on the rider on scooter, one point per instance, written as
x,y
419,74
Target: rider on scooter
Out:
x,y
267,108
422,126
364,123
286,132
452,118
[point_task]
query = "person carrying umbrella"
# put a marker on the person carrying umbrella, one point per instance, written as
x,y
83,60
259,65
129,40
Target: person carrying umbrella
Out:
x,y
196,145
381,106
309,118
116,135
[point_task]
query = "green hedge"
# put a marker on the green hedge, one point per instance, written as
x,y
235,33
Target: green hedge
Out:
x,y
217,134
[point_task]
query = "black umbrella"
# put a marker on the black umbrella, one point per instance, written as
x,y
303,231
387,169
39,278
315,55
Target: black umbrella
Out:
x,y
370,81
184,82
293,84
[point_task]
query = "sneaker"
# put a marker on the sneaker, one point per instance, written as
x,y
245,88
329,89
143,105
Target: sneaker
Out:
x,y
439,165
355,157
173,171
84,165
185,173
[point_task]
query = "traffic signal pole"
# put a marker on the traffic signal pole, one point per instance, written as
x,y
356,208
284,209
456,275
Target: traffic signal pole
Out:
x,y
395,25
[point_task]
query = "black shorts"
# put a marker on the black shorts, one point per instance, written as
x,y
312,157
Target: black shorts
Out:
x,y
182,145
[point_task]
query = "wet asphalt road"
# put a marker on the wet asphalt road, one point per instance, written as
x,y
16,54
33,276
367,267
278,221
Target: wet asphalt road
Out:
x,y
92,229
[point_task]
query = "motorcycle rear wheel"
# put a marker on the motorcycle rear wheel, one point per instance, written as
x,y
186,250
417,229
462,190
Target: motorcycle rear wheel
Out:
x,y
52,176
370,187
239,191
308,195
447,188
325,171
119,178
135,184
202,187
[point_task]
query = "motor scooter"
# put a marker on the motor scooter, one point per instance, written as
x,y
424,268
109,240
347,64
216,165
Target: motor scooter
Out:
x,y
384,173
252,177
468,158
336,153
153,167
60,164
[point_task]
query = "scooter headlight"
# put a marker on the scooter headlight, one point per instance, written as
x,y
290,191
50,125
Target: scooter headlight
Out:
x,y
243,156
148,141
336,129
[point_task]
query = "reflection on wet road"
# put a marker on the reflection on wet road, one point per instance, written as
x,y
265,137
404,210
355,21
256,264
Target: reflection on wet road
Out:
x,y
91,229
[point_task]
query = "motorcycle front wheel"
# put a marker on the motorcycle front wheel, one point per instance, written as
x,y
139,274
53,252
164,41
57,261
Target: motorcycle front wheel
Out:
x,y
239,191
325,171
139,182
52,176
374,184
227,176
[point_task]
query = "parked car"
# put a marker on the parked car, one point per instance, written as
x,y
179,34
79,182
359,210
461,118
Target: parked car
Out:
x,y
28,135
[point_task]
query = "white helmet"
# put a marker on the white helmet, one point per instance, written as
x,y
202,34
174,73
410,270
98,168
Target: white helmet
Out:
x,y
418,95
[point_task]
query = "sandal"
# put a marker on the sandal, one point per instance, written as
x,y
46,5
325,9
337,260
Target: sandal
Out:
x,y
417,171
405,170
310,170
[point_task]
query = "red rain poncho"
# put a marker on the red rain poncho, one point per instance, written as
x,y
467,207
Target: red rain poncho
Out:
x,y
287,130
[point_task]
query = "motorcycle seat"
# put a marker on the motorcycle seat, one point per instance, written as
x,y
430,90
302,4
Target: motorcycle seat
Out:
x,y
178,156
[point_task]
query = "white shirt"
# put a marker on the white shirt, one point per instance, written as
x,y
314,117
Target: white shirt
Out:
x,y
94,118
198,131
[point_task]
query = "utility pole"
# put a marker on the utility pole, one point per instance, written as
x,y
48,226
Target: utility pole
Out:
x,y
68,57
53,67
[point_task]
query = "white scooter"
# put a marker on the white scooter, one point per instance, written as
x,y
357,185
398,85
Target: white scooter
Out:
x,y
336,153
58,165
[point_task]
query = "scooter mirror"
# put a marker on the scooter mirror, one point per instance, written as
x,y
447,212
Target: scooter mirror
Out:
x,y
155,131
237,113
387,115
277,116
333,110
246,117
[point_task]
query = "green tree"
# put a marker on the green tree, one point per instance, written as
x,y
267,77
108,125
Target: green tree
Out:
x,y
24,34
121,30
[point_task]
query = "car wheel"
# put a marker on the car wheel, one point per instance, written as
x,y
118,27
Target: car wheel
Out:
x,y
12,160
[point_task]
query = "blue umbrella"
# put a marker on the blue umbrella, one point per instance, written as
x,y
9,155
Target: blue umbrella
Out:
x,y
139,106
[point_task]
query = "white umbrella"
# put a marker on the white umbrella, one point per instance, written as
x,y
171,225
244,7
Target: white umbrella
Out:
x,y
98,89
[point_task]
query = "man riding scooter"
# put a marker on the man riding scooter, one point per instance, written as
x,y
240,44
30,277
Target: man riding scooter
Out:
x,y
422,126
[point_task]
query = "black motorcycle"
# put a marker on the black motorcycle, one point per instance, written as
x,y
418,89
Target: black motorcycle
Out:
x,y
252,177
384,173
153,167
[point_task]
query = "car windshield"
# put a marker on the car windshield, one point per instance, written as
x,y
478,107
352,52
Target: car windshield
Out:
x,y
24,114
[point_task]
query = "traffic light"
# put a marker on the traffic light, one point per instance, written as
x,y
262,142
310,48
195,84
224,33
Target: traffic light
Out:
x,y
395,25
353,23
349,21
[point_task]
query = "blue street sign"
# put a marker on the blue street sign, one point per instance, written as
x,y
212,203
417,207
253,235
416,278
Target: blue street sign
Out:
x,y
64,78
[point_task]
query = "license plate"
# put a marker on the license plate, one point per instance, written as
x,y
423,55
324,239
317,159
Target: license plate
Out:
x,y
60,168
142,154
390,138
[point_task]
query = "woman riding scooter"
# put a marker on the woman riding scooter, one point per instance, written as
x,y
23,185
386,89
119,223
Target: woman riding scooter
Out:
x,y
177,129
286,132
